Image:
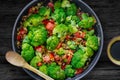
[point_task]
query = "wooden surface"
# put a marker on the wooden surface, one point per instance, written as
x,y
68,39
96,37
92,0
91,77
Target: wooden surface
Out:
x,y
108,12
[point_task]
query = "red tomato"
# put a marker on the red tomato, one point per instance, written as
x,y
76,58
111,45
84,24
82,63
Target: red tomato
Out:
x,y
39,64
78,71
51,5
59,45
79,35
45,21
38,48
19,38
63,66
51,56
50,26
46,59
67,37
57,58
82,34
69,58
22,31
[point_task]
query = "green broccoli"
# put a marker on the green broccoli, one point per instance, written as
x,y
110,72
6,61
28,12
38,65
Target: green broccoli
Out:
x,y
27,52
69,71
71,10
60,51
88,51
59,15
72,29
71,44
72,20
44,11
88,33
60,30
32,20
26,40
52,42
38,37
86,22
92,42
57,4
56,72
35,61
65,3
43,69
79,59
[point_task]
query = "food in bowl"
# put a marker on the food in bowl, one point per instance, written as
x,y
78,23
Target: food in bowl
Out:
x,y
58,39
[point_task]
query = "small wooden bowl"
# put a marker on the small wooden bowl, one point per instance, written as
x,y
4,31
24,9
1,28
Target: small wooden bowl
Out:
x,y
115,39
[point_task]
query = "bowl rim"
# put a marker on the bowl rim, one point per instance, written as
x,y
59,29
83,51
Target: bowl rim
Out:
x,y
94,61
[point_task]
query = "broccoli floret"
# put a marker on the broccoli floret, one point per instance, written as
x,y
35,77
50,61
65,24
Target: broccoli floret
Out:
x,y
33,20
59,15
69,71
26,40
38,37
79,59
72,22
88,51
57,4
43,69
72,29
61,51
60,30
27,52
92,42
44,11
34,28
65,3
71,10
71,44
52,42
56,72
35,61
86,22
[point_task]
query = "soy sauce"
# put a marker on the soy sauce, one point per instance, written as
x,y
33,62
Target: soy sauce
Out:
x,y
115,50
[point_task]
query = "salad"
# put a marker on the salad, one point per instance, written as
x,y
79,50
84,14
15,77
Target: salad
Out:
x,y
58,39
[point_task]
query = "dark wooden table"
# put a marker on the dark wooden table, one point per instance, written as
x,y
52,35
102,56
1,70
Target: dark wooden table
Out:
x,y
107,10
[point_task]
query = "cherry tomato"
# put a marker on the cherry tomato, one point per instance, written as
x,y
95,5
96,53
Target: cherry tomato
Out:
x,y
78,71
45,21
82,34
79,35
67,37
57,58
46,59
59,45
22,31
51,56
69,58
38,48
51,5
63,66
50,26
19,38
39,64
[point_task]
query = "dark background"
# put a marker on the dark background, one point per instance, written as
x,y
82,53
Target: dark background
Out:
x,y
108,12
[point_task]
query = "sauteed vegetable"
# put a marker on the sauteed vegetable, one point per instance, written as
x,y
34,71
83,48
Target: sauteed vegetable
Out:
x,y
58,39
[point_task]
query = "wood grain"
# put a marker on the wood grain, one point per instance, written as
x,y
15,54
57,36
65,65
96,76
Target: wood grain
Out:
x,y
108,12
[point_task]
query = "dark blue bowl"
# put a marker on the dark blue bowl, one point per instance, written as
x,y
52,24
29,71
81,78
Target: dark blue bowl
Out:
x,y
98,31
